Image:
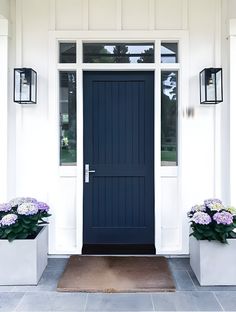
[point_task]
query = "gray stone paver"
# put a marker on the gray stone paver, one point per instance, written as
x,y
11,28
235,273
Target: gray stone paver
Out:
x,y
186,301
119,302
9,301
189,295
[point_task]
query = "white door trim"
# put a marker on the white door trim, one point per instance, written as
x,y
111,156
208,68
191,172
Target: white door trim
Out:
x,y
232,108
182,67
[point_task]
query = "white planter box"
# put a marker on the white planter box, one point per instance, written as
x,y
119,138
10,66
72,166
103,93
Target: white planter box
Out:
x,y
212,262
23,261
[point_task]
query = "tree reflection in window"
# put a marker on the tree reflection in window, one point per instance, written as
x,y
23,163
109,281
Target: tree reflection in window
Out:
x,y
67,118
118,53
169,118
147,57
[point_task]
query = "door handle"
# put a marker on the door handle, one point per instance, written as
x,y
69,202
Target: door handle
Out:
x,y
87,172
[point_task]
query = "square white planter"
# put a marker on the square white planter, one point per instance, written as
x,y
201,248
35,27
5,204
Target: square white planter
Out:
x,y
212,262
23,261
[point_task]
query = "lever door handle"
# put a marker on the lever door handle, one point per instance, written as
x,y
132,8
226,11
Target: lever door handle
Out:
x,y
87,172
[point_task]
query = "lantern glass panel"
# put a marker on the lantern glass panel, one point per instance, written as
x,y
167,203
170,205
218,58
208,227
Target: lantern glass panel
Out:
x,y
33,86
210,86
202,86
25,85
219,86
17,86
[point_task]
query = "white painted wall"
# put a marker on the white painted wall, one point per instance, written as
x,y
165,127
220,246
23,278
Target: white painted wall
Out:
x,y
200,163
4,8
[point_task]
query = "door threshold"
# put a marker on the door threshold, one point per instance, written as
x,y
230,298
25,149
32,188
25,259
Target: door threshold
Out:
x,y
118,249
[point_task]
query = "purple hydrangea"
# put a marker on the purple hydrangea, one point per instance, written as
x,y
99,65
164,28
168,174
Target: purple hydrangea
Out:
x,y
5,207
201,217
43,207
223,217
28,209
9,219
30,200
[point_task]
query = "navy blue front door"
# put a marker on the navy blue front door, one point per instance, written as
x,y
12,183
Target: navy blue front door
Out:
x,y
119,146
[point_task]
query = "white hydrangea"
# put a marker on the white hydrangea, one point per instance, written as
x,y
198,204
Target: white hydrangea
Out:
x,y
27,209
16,201
20,200
9,219
232,210
216,206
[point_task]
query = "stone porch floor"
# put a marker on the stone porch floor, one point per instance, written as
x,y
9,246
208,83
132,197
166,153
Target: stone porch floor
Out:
x,y
190,296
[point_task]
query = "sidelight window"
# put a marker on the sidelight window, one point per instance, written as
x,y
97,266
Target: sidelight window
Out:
x,y
67,98
169,118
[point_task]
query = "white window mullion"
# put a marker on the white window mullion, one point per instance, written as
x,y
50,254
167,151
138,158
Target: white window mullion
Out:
x,y
80,160
157,146
170,66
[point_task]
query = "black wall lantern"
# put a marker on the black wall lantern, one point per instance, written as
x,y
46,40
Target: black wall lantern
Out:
x,y
211,86
25,86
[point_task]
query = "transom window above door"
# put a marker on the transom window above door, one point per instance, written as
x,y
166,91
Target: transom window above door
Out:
x,y
118,52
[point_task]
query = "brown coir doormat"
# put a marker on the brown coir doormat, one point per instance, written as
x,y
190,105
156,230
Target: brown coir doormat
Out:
x,y
116,274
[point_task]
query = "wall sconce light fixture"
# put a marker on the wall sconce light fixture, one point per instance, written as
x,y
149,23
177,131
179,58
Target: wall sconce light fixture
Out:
x,y
211,86
25,86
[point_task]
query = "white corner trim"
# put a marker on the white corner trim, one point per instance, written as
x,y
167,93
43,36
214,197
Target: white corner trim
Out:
x,y
3,107
217,108
232,100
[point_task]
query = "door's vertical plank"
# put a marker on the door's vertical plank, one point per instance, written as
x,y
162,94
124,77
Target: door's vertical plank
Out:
x,y
95,120
129,134
108,122
115,102
141,125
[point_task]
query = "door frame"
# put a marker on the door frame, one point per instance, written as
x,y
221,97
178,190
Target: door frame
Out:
x,y
77,171
125,247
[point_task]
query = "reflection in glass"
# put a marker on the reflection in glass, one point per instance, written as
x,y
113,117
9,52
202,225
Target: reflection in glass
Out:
x,y
67,52
169,52
118,53
169,118
67,117
219,85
